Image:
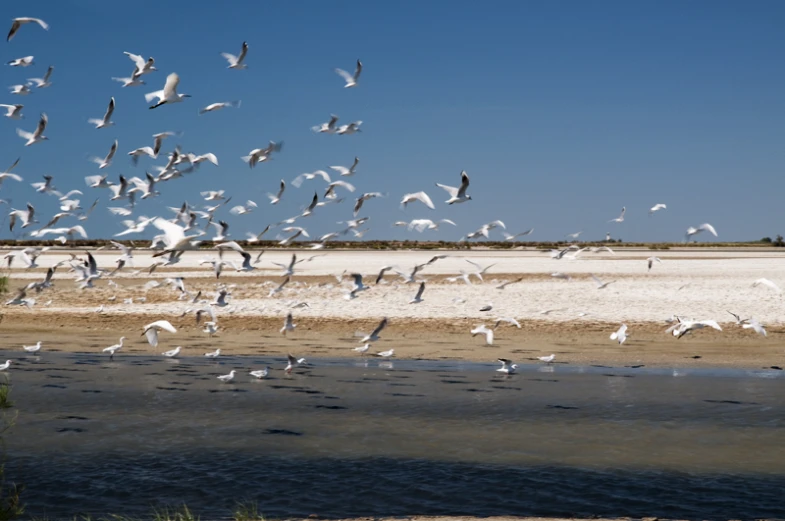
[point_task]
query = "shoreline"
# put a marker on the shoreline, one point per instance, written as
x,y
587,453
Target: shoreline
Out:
x,y
578,343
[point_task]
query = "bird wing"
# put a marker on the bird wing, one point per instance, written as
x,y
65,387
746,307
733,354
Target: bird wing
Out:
x,y
109,110
420,291
464,185
170,88
423,198
231,58
348,78
112,150
379,328
138,60
709,228
42,126
449,189
243,52
152,336
358,70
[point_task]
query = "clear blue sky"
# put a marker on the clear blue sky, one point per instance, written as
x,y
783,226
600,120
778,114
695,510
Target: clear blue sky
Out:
x,y
561,112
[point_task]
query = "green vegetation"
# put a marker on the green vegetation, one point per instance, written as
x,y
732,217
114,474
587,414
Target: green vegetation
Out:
x,y
11,506
177,514
247,511
3,284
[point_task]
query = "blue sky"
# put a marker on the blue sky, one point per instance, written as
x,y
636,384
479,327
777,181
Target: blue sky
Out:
x,y
561,112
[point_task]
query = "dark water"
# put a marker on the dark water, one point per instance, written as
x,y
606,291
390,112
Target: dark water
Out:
x,y
344,439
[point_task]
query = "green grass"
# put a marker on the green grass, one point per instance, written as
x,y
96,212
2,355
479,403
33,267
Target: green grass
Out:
x,y
175,514
247,511
5,391
3,284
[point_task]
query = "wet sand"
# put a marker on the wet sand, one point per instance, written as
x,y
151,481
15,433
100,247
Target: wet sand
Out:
x,y
697,284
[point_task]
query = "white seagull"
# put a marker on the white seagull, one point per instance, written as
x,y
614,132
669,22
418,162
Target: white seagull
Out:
x,y
457,195
33,349
37,136
507,366
19,22
261,373
218,106
620,335
417,196
374,336
767,283
12,111
601,284
20,90
657,207
288,324
106,161
620,218
226,378
172,353
482,330
276,198
22,62
42,83
705,227
115,348
236,62
5,366
418,297
151,330
106,121
142,66
168,94
347,172
351,79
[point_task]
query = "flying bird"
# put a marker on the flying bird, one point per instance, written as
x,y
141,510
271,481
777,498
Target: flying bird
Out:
x,y
417,196
236,62
218,106
457,195
620,218
42,83
351,79
106,121
705,227
19,22
168,94
657,207
483,330
621,335
151,330
13,111
37,136
22,62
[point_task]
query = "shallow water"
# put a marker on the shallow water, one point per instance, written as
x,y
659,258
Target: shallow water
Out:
x,y
346,438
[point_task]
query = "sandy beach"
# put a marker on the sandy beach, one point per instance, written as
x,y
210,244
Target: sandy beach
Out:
x,y
570,318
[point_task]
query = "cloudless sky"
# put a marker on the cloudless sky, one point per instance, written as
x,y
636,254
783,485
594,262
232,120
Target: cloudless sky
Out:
x,y
561,112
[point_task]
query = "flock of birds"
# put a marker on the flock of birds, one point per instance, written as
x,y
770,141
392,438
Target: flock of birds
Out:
x,y
188,228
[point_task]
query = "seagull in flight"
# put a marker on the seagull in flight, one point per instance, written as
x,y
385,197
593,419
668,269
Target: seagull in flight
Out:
x,y
483,330
417,196
218,106
22,62
13,111
621,335
288,324
601,284
457,195
236,62
620,218
651,260
657,207
292,362
142,66
276,198
37,136
19,22
347,172
507,366
418,297
151,330
326,128
106,161
374,336
168,94
106,121
705,227
767,283
511,237
351,79
42,83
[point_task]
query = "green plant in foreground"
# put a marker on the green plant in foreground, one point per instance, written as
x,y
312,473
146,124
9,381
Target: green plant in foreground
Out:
x,y
5,400
4,284
247,511
179,514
